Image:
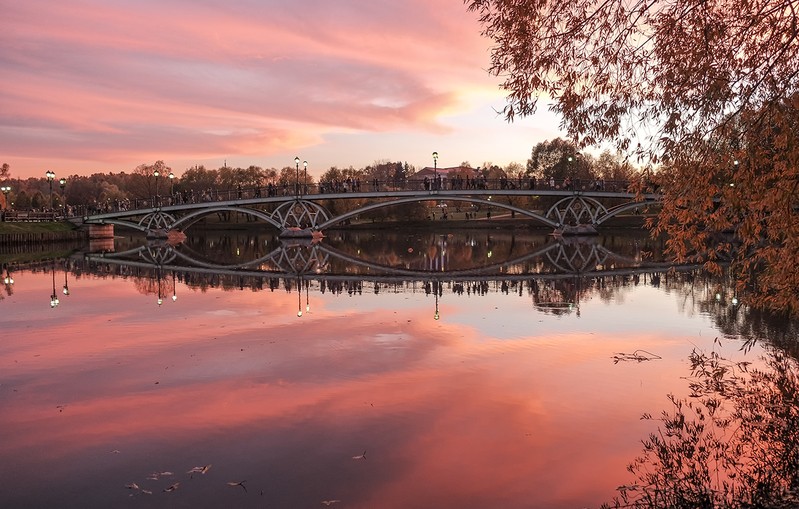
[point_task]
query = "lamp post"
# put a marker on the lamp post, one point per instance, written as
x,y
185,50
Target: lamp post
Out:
x,y
171,186
297,186
305,177
50,176
571,170
435,170
62,183
156,174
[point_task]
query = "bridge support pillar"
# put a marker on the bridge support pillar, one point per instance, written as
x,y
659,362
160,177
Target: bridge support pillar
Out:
x,y
301,233
173,236
101,231
580,229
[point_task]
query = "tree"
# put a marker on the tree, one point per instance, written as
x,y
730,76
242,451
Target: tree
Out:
x,y
22,200
333,173
383,170
493,172
83,190
687,88
558,159
514,170
144,182
404,171
288,177
610,166
199,179
5,171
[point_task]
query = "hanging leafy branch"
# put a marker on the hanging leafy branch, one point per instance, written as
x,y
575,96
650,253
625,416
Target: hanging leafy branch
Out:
x,y
704,93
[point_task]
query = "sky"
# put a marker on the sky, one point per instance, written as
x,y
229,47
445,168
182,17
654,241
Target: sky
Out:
x,y
103,86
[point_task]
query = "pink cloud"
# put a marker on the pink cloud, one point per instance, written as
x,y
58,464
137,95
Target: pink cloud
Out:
x,y
94,84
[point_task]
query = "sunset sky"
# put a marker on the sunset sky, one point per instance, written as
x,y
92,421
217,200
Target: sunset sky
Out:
x,y
105,85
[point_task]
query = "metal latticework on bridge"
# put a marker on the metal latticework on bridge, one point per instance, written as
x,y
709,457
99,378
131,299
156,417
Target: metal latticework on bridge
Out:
x,y
571,208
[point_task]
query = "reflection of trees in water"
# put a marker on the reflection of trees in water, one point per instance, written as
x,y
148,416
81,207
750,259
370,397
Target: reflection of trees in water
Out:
x,y
559,296
468,249
733,443
159,284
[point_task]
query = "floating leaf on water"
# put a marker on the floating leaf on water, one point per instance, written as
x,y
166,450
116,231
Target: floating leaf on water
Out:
x,y
173,487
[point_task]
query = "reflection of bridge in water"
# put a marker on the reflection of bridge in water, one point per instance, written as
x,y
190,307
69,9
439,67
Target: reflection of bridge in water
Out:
x,y
556,260
555,275
563,208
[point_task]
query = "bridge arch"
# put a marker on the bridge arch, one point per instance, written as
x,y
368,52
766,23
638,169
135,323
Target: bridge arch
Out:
x,y
419,198
193,217
615,211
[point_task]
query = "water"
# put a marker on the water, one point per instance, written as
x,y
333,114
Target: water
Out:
x,y
426,370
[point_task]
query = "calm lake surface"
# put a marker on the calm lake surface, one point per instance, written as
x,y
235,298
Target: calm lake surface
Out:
x,y
480,369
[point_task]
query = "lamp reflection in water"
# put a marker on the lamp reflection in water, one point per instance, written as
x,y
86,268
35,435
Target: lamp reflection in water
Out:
x,y
53,296
299,297
160,277
300,284
436,290
66,283
8,280
160,298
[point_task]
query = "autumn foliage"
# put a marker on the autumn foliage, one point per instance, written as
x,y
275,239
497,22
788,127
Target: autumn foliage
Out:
x,y
701,93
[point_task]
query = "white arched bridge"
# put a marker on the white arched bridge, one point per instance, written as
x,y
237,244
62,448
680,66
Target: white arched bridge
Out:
x,y
564,210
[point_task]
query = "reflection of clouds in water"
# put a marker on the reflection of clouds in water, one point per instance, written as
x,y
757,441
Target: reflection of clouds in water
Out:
x,y
225,312
492,399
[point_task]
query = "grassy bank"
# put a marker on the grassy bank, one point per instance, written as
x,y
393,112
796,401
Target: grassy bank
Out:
x,y
31,242
36,227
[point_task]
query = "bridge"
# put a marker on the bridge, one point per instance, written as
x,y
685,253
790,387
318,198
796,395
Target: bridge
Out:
x,y
556,274
567,210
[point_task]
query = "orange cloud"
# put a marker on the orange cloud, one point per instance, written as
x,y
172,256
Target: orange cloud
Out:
x,y
92,86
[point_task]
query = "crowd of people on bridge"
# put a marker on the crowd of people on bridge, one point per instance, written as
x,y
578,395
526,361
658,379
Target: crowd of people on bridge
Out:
x,y
349,185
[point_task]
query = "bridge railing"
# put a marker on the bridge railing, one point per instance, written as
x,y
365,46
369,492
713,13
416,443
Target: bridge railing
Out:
x,y
357,186
20,216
